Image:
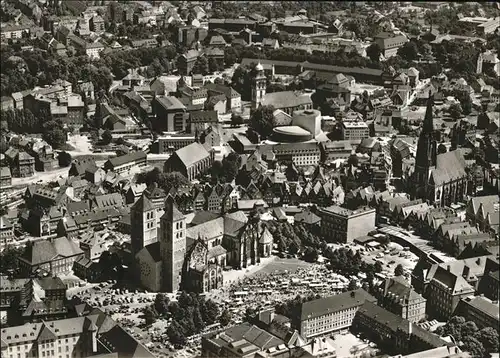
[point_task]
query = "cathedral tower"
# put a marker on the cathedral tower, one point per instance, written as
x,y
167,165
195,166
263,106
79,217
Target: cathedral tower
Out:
x,y
144,224
258,86
172,245
426,154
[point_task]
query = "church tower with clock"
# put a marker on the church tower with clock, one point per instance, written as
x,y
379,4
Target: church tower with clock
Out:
x,y
172,245
258,86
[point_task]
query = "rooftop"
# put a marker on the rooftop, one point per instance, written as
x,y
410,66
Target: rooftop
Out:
x,y
327,305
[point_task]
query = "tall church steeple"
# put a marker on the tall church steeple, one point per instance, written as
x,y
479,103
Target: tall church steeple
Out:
x,y
426,148
426,154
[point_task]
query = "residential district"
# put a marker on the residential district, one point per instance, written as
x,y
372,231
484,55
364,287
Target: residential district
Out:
x,y
249,179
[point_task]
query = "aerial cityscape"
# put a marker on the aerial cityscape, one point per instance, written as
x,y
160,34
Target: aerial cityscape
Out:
x,y
249,179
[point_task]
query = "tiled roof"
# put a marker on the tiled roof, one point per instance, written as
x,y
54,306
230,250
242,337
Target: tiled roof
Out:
x,y
170,103
108,200
192,153
143,204
5,172
154,251
450,166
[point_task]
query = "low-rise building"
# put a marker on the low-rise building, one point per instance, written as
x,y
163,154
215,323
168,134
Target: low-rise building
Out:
x,y
389,43
335,150
126,162
172,142
300,154
344,225
325,316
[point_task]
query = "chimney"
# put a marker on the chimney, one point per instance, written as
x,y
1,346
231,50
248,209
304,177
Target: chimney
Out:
x,y
478,261
448,268
465,272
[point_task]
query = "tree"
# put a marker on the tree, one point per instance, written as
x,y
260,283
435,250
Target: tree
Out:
x,y
225,318
64,159
8,259
399,271
198,319
310,255
213,65
236,120
201,66
4,144
473,346
488,337
107,137
352,285
54,133
150,315
293,248
161,303
261,121
373,52
216,171
353,160
409,51
230,166
441,148
455,110
378,267
210,311
176,335
174,180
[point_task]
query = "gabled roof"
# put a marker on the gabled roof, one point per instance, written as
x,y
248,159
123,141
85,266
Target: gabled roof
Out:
x,y
192,153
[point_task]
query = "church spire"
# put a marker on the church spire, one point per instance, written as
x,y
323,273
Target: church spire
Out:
x,y
428,125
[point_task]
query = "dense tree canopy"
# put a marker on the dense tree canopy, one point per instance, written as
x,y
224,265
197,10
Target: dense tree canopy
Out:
x,y
480,343
261,121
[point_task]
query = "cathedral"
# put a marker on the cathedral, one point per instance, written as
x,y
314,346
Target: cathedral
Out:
x,y
439,179
172,255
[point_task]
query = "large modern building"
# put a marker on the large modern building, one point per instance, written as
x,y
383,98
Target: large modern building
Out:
x,y
344,225
325,316
171,114
355,130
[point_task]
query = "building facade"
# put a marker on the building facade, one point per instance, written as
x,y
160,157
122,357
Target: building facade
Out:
x,y
344,225
325,316
439,179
